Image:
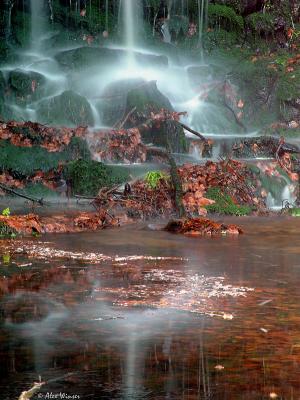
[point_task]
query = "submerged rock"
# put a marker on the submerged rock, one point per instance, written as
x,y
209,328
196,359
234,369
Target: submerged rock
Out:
x,y
68,108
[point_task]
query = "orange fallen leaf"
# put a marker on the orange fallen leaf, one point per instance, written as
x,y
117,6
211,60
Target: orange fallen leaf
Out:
x,y
240,103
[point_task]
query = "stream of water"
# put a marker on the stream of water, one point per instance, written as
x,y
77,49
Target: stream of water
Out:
x,y
170,317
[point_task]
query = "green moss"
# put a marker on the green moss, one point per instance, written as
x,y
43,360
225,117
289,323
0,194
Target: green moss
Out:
x,y
20,83
88,177
220,38
224,203
231,20
289,86
67,108
261,22
146,98
23,162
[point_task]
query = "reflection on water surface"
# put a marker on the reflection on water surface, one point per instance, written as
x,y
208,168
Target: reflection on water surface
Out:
x,y
185,318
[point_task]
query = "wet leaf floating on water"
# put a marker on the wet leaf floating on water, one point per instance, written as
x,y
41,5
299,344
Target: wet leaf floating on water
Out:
x,y
227,316
264,330
219,367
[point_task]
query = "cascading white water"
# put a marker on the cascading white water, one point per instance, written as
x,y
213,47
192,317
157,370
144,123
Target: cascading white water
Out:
x,y
130,19
37,23
129,23
202,19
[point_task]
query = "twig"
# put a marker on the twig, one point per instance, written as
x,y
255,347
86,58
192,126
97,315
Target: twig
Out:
x,y
24,196
193,132
126,118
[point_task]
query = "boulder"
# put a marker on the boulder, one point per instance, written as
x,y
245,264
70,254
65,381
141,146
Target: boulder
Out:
x,y
85,57
121,97
147,98
112,105
26,86
68,108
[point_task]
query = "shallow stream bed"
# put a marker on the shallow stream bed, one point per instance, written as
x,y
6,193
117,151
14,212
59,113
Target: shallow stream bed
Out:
x,y
136,313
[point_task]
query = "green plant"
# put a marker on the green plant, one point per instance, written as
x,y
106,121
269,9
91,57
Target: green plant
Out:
x,y
153,178
295,211
6,212
6,258
261,23
87,177
230,19
224,203
6,231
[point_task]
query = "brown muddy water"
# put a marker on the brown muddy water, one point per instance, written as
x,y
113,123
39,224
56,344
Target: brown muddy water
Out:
x,y
135,313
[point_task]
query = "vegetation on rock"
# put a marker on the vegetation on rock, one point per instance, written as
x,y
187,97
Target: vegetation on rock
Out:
x,y
87,177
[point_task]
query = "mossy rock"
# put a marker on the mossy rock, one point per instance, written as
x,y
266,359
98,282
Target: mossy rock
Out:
x,y
68,108
257,82
112,106
229,19
26,86
224,203
288,95
87,177
86,57
261,23
145,98
23,162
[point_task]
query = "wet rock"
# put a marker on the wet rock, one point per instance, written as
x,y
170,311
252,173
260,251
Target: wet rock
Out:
x,y
112,105
265,146
85,57
145,99
121,97
26,86
68,108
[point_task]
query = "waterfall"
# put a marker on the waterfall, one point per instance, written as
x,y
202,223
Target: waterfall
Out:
x,y
202,19
37,23
130,11
129,23
106,16
7,17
